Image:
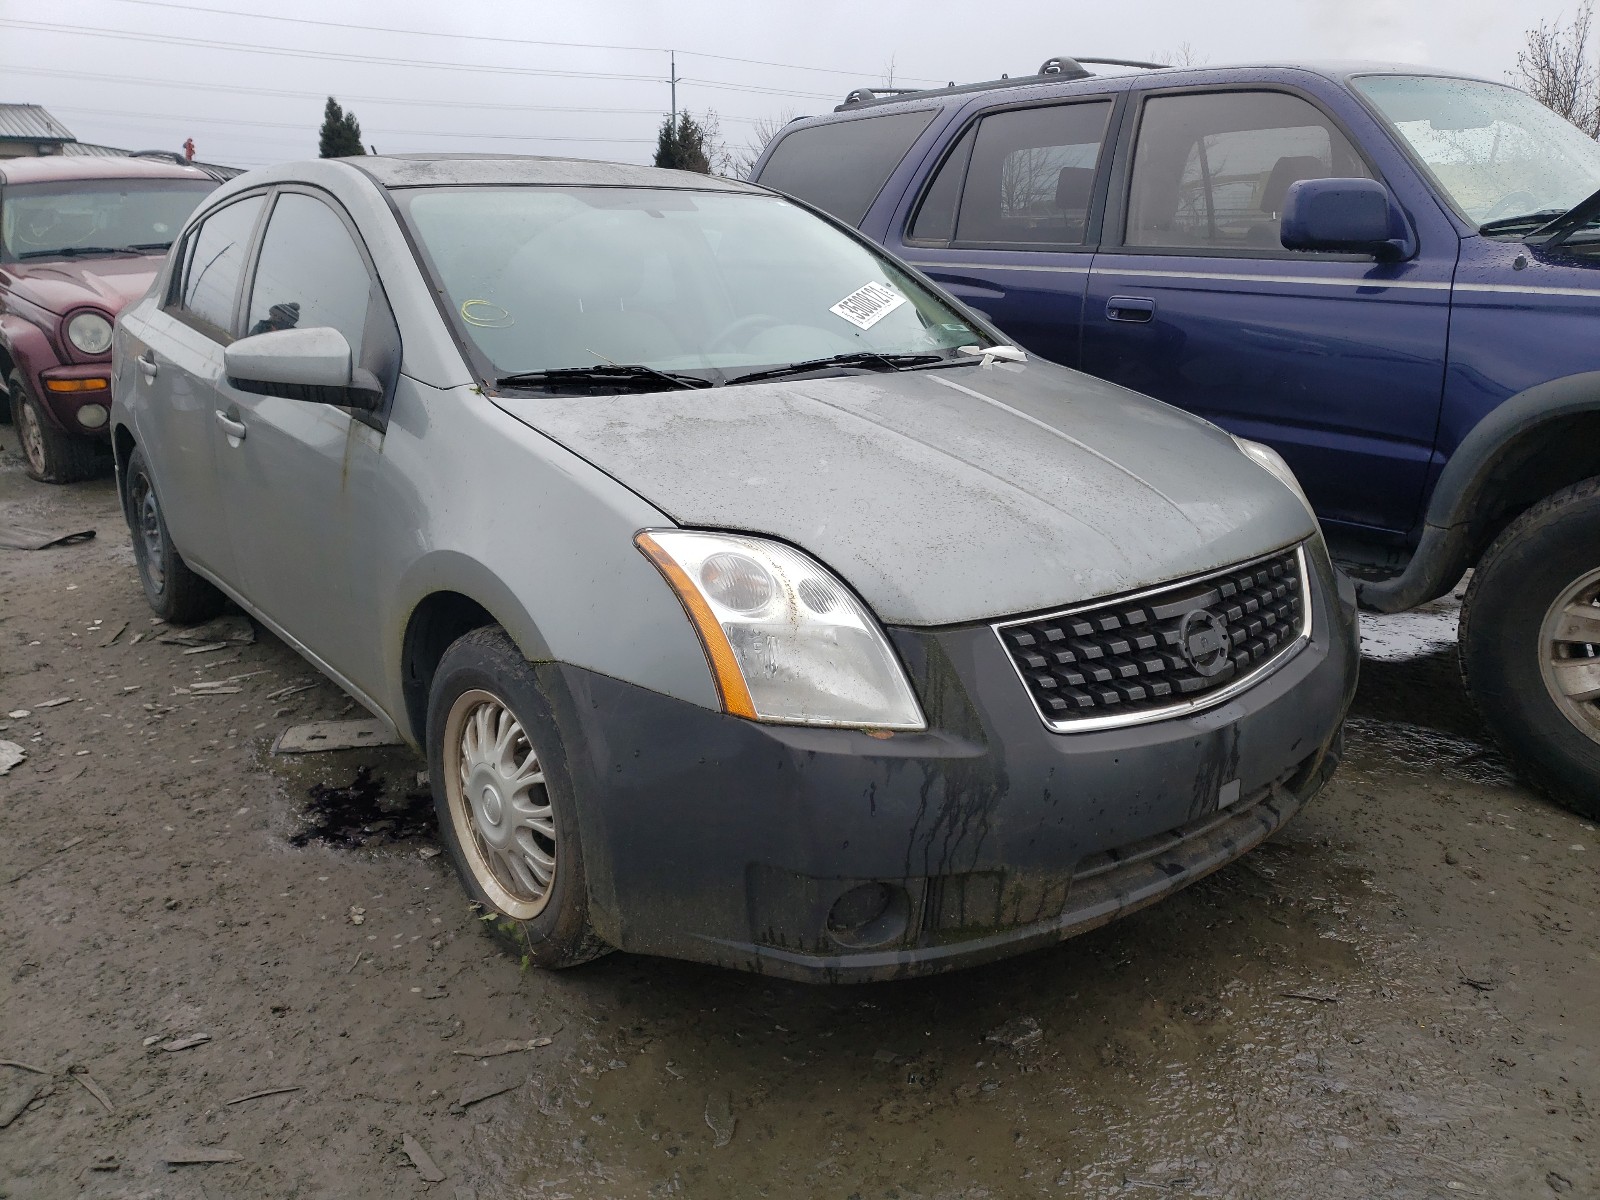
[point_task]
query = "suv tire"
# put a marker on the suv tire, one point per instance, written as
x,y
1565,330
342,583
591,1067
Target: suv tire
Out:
x,y
48,455
504,800
175,592
1524,656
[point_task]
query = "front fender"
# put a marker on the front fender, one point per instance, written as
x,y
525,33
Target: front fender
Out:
x,y
28,347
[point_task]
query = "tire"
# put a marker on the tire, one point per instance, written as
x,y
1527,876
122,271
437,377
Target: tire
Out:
x,y
485,686
175,592
1523,656
49,455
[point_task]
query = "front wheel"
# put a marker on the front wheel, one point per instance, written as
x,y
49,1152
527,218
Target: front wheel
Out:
x,y
504,801
49,455
1530,644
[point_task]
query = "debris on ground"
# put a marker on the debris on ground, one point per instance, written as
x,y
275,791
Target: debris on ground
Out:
x,y
496,1049
485,1091
17,1102
281,1091
351,815
1016,1033
317,736
56,703
188,1155
719,1117
81,1074
358,915
426,1167
233,630
10,755
186,1043
30,537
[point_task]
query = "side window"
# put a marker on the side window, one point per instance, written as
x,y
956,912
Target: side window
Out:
x,y
214,259
936,216
842,166
1032,175
1211,171
310,273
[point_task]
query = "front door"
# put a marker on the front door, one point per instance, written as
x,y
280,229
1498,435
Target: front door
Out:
x,y
1337,361
1005,224
298,477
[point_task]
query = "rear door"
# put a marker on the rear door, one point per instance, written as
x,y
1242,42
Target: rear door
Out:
x,y
1008,218
177,371
1335,360
297,476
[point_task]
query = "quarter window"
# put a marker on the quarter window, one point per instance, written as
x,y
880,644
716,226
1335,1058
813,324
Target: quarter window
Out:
x,y
1211,171
1031,176
841,167
310,273
213,265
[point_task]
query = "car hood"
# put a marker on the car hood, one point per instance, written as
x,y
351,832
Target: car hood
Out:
x,y
62,284
949,495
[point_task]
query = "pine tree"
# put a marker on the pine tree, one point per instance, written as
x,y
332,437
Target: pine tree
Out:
x,y
682,146
341,132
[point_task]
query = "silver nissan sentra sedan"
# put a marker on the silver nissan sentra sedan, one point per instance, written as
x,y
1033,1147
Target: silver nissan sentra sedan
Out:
x,y
752,600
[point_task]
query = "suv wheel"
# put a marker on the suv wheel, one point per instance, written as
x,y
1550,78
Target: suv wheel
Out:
x,y
505,802
176,593
49,455
1530,644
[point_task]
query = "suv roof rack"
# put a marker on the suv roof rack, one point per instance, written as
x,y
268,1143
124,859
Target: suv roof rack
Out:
x,y
1059,67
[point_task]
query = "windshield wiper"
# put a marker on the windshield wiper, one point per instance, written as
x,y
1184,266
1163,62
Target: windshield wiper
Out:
x,y
858,358
1552,233
77,251
1536,219
625,375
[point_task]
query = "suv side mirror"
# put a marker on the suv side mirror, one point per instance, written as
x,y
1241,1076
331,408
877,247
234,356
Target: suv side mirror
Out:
x,y
1352,216
301,364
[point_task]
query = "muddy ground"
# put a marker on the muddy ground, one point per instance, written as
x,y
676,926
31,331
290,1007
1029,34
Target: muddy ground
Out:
x,y
1396,997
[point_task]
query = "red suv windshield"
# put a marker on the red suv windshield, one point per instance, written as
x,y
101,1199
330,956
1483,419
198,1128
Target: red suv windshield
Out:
x,y
95,216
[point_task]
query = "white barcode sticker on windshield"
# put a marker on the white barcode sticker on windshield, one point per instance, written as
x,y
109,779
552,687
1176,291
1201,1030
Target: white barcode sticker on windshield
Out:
x,y
865,307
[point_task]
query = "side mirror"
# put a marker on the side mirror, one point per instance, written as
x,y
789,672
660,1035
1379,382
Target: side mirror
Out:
x,y
301,364
1352,216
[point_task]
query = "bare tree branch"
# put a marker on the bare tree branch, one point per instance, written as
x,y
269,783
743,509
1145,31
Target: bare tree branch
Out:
x,y
1555,68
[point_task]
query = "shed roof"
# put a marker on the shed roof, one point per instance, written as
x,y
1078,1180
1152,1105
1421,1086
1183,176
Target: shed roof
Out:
x,y
31,123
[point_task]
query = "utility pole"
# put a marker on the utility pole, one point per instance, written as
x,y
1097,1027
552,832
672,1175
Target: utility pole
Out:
x,y
673,71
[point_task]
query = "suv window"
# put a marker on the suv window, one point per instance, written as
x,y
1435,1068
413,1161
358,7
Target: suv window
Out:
x,y
1211,170
214,258
310,273
1030,178
843,166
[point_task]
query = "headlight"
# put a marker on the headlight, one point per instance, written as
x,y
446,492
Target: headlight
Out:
x,y
1266,456
787,642
90,332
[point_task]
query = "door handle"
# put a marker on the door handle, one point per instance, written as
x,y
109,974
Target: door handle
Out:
x,y
1137,309
234,429
147,365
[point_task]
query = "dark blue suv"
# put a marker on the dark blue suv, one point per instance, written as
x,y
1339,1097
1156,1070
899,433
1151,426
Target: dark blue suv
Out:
x,y
1386,273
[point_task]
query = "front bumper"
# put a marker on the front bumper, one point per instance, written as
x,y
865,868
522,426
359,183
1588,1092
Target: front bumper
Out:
x,y
63,407
713,838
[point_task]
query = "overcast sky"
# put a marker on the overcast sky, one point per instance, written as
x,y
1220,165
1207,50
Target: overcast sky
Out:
x,y
249,88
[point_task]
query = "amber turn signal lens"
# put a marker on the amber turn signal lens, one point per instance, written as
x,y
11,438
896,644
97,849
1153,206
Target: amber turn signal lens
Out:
x,y
98,383
724,667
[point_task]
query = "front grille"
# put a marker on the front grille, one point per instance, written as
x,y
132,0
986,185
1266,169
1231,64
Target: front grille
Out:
x,y
1173,649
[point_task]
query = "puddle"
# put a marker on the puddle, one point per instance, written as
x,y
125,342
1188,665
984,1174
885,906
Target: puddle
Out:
x,y
1419,750
1396,637
365,811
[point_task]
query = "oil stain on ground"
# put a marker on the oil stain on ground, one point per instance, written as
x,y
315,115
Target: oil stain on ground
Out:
x,y
360,813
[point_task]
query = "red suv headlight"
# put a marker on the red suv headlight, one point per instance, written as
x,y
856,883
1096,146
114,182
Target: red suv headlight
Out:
x,y
89,332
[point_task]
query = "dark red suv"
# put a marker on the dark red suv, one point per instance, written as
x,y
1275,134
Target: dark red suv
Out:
x,y
79,238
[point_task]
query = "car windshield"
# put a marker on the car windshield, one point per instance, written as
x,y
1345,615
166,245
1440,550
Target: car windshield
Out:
x,y
1497,152
95,216
705,286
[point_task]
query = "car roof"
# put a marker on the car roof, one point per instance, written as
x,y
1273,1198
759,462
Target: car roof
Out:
x,y
1022,86
436,170
63,168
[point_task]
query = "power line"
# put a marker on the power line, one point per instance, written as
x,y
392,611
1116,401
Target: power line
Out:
x,y
260,91
475,37
310,132
332,56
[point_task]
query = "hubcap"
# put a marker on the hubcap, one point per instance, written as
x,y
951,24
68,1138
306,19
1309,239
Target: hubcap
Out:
x,y
1569,653
499,804
31,436
148,514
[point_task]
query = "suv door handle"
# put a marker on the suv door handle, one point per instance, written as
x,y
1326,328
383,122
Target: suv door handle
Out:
x,y
234,429
1138,309
147,365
